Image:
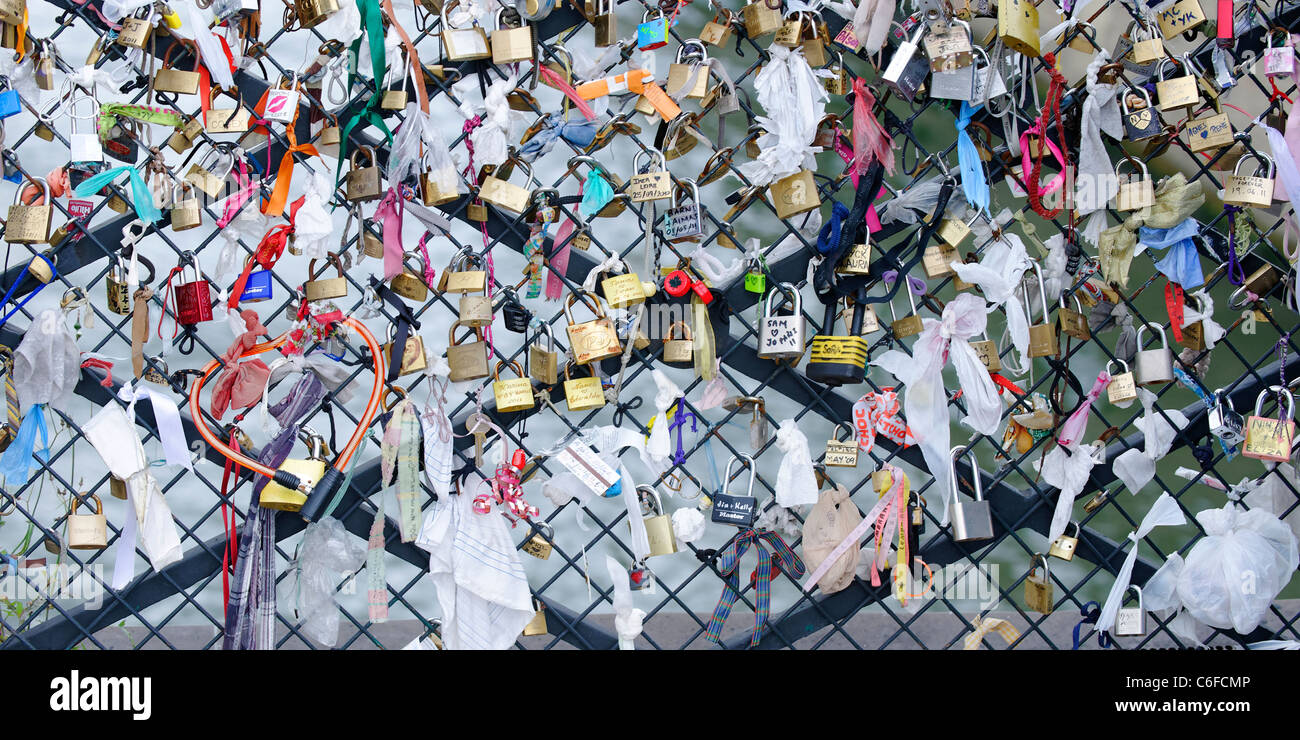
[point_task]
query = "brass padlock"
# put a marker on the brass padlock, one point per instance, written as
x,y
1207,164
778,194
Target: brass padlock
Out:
x,y
763,17
1135,191
323,289
536,625
841,454
210,181
937,260
987,351
1209,133
458,278
1073,323
543,361
605,23
463,44
176,81
363,183
30,224
1123,387
1194,333
1064,545
512,394
592,340
394,98
692,61
679,350
1038,589
1182,16
467,361
434,190
309,472
117,487
1271,439
87,531
413,359
119,293
858,259
582,394
226,120
1250,190
506,195
718,30
409,283
539,545
623,291
183,137
1042,337
1018,26
909,325
1176,92
510,45
312,13
136,29
658,523
795,194
476,310
185,211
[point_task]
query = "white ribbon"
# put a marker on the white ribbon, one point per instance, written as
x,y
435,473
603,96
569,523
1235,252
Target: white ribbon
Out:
x,y
909,205
796,485
313,227
1137,467
612,264
925,399
999,275
659,447
214,58
110,77
870,22
640,544
627,618
1095,182
1210,329
795,101
1068,471
1164,512
116,10
168,418
1285,165
490,138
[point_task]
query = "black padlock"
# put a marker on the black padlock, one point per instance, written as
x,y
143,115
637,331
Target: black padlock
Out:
x,y
515,315
835,360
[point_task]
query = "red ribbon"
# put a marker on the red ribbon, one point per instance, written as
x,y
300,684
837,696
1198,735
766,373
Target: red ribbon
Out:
x,y
104,365
1174,305
870,142
267,254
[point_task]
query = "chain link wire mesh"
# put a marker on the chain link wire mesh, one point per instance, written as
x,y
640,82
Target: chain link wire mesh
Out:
x,y
570,585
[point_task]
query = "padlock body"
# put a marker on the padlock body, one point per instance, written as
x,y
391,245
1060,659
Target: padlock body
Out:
x,y
1268,439
276,496
194,303
1038,594
837,360
1130,621
971,521
1063,547
467,361
1154,366
1227,425
593,340
738,511
582,394
1042,341
659,531
413,360
513,394
258,287
781,337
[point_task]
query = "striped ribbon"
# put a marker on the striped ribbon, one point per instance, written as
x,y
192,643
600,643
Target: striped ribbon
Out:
x,y
728,563
376,571
533,249
1002,627
14,416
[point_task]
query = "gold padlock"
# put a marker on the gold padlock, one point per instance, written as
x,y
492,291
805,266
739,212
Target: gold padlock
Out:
x,y
795,194
309,472
650,180
185,211
1064,545
679,350
592,340
176,81
363,183
512,394
718,31
841,454
505,195
467,361
987,351
312,13
136,29
409,283
623,291
539,545
119,293
413,359
87,531
1251,190
1178,92
30,224
1042,337
858,260
226,120
510,45
582,394
605,23
658,523
1123,386
536,625
1018,26
909,325
463,44
323,289
1073,322
543,361
692,61
937,260
1038,589
1271,439
763,17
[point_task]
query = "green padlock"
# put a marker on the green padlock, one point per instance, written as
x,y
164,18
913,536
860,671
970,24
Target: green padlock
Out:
x,y
755,280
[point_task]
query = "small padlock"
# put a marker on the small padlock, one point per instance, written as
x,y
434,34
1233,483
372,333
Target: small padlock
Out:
x,y
409,283
1135,191
210,181
282,103
312,13
512,394
363,183
683,222
679,350
987,351
782,337
838,359
658,523
507,195
259,286
795,194
911,324
605,23
185,212
30,224
511,44
536,625
652,32
119,293
582,394
755,280
1270,439
841,454
1042,337
413,359
1064,545
1123,387
543,361
463,44
136,28
1176,92
308,471
326,288
729,508
1142,123
592,340
1038,589
87,531
1250,190
952,64
1131,621
1072,322
858,259
1224,422
84,147
1153,366
467,361
394,98
1279,61
623,291
974,520
908,69
539,544
937,259
193,297
718,30
460,278
225,120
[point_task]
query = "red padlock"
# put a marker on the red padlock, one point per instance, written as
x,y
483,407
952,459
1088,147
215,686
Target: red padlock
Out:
x,y
678,283
193,302
518,460
702,291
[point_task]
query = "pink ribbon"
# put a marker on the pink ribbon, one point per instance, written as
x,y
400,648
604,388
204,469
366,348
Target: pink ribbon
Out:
x,y
240,383
549,76
390,213
1073,427
870,142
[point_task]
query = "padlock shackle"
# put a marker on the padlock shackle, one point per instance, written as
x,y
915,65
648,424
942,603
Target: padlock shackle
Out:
x,y
953,455
1221,396
1047,569
784,290
657,508
1282,393
1112,362
726,477
329,483
1164,341
1262,161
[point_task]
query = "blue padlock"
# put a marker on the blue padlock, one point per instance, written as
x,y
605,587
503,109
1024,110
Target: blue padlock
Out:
x,y
9,104
258,287
652,33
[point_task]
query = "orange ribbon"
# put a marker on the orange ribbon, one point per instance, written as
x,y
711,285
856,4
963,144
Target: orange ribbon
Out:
x,y
284,175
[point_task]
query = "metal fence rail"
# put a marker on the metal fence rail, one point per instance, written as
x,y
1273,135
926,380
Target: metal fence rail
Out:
x,y
1022,505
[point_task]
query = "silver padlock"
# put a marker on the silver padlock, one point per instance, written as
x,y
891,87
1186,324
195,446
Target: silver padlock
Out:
x,y
84,147
907,69
989,84
949,79
684,222
1153,366
782,337
1131,621
971,521
1224,421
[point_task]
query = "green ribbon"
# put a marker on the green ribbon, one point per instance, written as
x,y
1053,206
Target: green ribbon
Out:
x,y
372,19
141,197
109,113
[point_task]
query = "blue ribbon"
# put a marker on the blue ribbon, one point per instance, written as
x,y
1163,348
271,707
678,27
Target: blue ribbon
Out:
x,y
1180,264
973,183
1195,387
596,193
578,133
14,287
828,239
16,462
141,198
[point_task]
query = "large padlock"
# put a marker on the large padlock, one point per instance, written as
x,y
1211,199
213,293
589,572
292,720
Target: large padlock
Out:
x,y
692,61
592,340
582,394
475,311
1135,190
1223,420
193,296
652,32
623,291
1182,16
795,194
1131,621
409,283
413,359
13,12
185,213
1176,92
1038,589
460,278
1018,26
658,523
510,45
1153,366
679,350
259,286
782,337
394,98
1043,341
838,359
651,180
537,625
1250,190
176,81
225,120
512,394
1142,122
543,362
952,63
761,17
467,361
363,183
30,224
1271,439
312,13
87,531
309,471
463,44
507,195
684,222
736,510
326,288
1072,321
1123,387
974,520
937,259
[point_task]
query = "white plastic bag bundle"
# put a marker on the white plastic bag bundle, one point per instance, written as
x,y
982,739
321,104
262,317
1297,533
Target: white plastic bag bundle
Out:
x,y
313,227
47,362
328,550
1234,572
832,519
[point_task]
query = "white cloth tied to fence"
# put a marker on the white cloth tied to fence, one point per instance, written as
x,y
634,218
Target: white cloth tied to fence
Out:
x,y
1164,512
1137,467
627,618
795,101
168,419
999,274
925,399
796,485
1068,470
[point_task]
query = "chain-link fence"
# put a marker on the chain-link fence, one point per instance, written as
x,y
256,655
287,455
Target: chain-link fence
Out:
x,y
571,586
